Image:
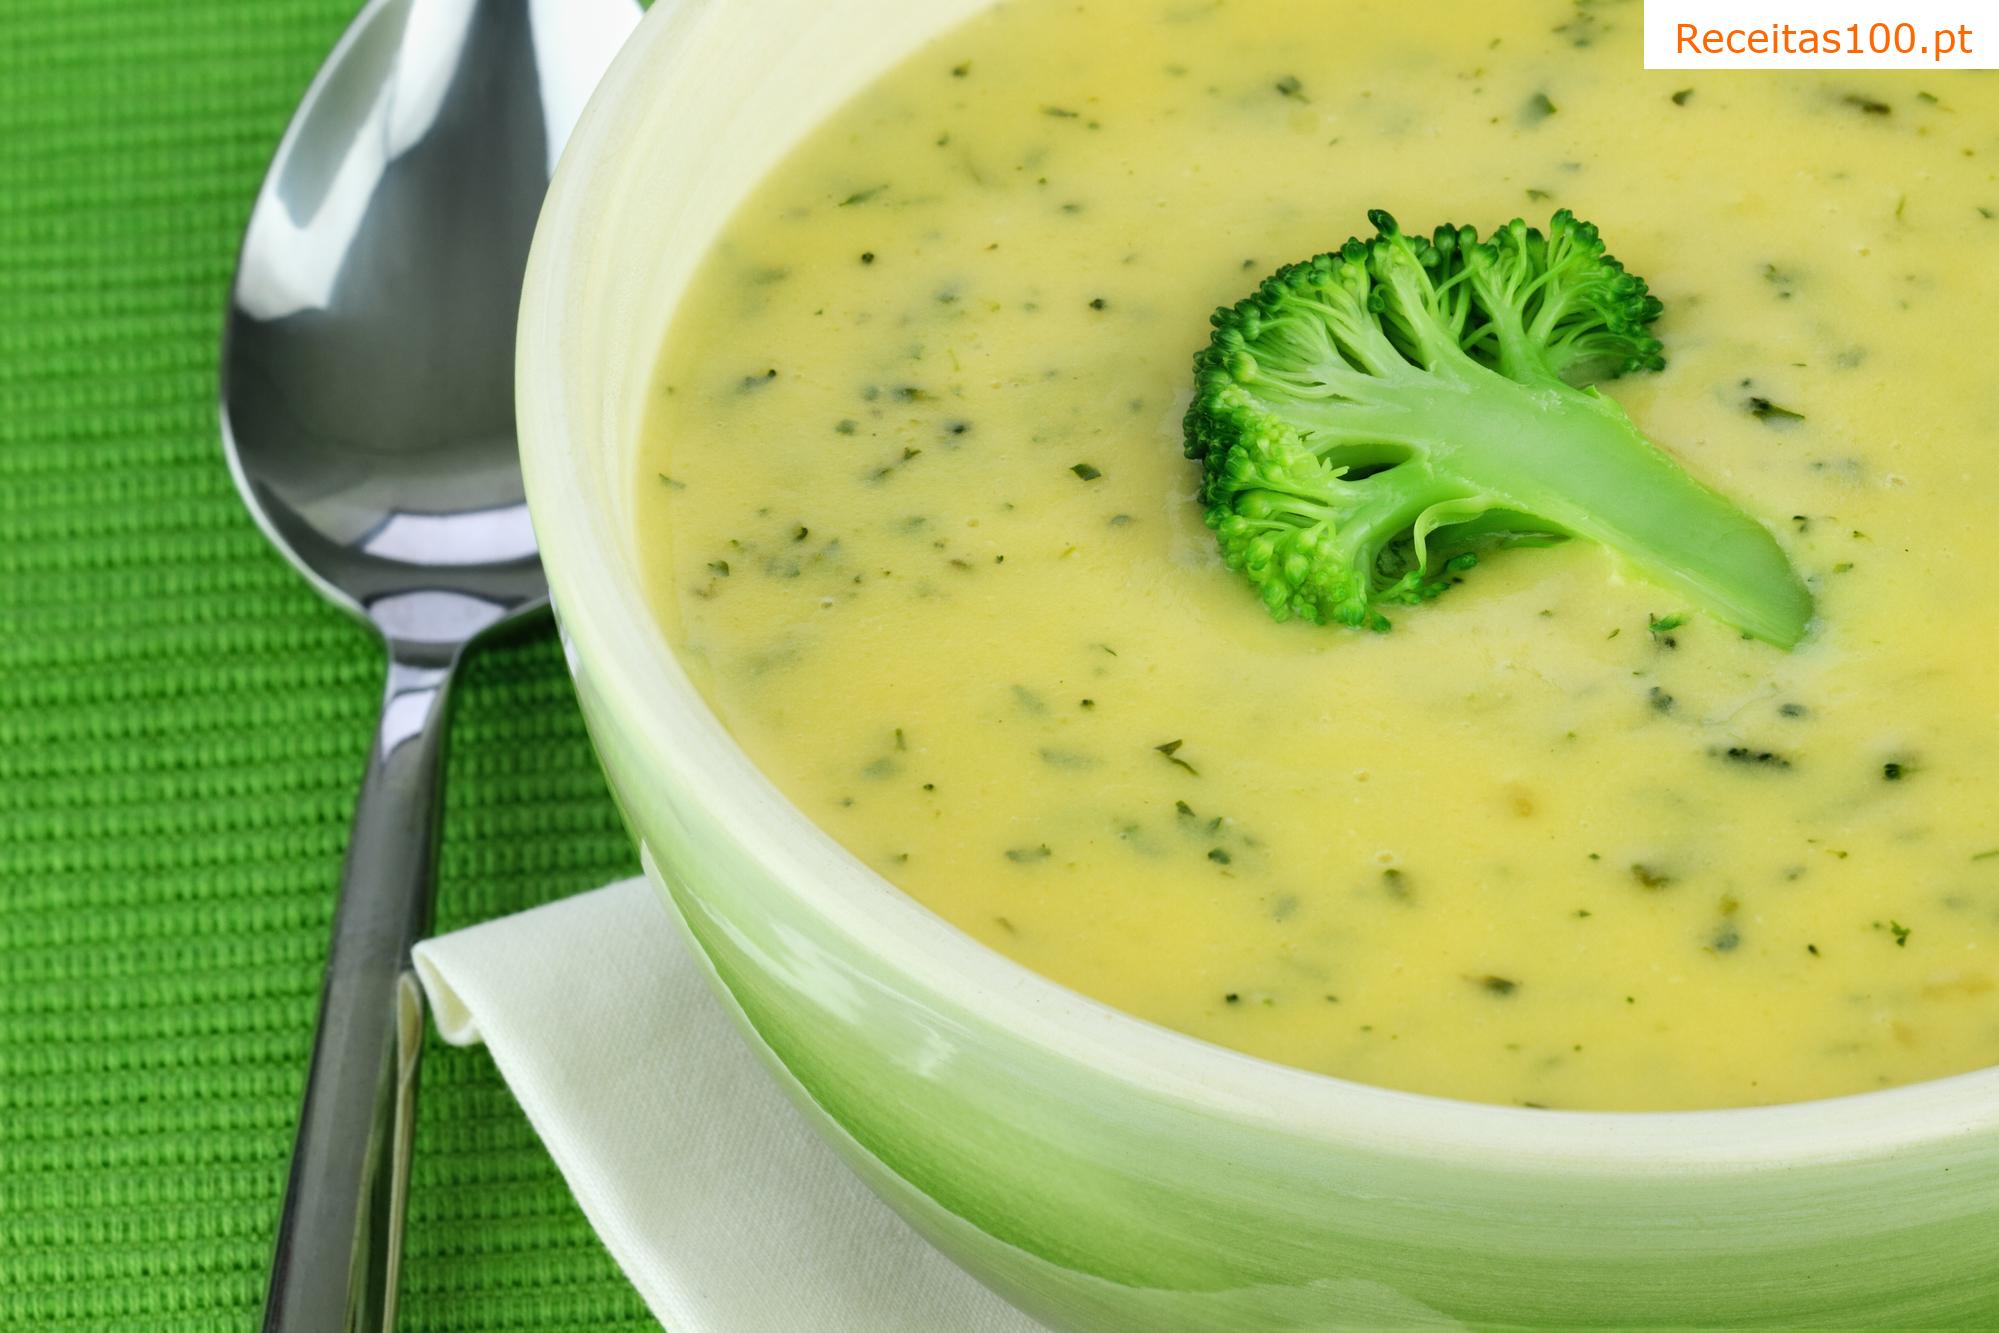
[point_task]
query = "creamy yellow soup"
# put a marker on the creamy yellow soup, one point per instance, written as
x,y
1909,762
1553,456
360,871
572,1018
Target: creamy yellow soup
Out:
x,y
919,522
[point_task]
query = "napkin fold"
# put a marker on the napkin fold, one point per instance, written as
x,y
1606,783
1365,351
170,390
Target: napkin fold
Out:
x,y
722,1205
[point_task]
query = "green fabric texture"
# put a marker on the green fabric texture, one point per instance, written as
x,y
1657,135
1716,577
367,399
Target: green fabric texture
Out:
x,y
182,728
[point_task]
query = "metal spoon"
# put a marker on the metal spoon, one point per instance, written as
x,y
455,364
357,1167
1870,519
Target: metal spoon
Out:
x,y
367,412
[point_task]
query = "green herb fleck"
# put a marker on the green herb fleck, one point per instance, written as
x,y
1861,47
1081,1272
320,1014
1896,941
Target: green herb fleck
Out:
x,y
1764,410
1219,856
862,196
1085,471
1893,771
1288,86
1027,855
1649,876
1682,97
1499,985
1743,754
719,568
1867,105
1171,751
1900,932
1537,109
1782,279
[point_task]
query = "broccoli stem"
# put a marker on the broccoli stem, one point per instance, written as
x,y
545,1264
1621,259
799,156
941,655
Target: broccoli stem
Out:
x,y
1573,459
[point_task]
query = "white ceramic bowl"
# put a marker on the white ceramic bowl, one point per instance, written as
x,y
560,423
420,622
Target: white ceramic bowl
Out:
x,y
1096,1170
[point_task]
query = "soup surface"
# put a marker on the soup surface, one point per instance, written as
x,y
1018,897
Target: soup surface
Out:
x,y
920,526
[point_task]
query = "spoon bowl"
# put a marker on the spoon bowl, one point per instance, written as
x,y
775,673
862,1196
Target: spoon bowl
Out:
x,y
367,413
367,364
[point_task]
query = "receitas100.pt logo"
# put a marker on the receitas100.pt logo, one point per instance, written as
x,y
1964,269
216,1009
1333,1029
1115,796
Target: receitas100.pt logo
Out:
x,y
1822,34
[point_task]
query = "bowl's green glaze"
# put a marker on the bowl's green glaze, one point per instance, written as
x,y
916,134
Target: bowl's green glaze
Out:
x,y
1100,1172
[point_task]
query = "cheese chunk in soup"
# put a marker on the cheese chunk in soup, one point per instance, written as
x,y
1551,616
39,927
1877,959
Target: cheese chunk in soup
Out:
x,y
919,524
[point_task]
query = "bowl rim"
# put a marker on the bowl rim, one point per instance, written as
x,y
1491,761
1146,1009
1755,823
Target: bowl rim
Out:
x,y
611,634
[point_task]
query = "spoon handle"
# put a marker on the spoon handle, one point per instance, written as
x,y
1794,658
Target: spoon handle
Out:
x,y
340,1234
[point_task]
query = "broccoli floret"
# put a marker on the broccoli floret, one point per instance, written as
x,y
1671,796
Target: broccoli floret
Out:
x,y
1370,420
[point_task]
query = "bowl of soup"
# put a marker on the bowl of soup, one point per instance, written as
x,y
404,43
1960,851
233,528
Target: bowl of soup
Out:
x,y
1557,956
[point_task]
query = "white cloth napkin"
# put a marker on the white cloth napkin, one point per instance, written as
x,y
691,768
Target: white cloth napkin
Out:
x,y
720,1203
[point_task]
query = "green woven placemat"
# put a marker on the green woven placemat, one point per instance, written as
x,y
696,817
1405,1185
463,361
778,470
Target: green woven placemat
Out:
x,y
182,724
